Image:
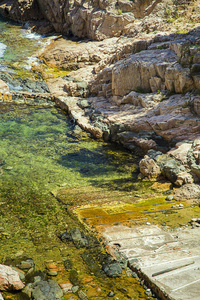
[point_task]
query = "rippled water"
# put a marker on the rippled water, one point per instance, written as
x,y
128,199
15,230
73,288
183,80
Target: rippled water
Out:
x,y
18,47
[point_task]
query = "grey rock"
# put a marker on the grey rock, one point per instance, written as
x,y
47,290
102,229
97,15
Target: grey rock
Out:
x,y
148,292
82,84
113,269
75,289
84,104
26,264
78,238
172,168
46,290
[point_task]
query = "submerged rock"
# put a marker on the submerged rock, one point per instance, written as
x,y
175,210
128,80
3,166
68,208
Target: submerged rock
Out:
x,y
76,236
112,269
46,290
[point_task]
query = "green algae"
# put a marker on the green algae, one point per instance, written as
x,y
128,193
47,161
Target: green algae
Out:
x,y
40,154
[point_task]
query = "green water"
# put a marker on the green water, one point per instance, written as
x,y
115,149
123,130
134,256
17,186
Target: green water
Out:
x,y
39,154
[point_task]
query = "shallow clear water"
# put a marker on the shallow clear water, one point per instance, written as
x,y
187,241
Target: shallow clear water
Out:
x,y
40,153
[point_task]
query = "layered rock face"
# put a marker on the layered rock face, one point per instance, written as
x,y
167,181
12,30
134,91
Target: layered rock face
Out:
x,y
96,20
136,86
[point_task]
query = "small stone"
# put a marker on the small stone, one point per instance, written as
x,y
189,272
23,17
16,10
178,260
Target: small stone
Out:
x,y
148,292
82,295
169,198
66,287
75,289
37,279
134,275
52,273
180,205
25,265
51,266
111,294
148,223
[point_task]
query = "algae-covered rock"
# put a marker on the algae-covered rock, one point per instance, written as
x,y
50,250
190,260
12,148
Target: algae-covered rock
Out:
x,y
46,290
76,236
112,269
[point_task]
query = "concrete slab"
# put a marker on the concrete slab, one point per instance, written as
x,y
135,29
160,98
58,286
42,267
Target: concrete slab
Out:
x,y
168,260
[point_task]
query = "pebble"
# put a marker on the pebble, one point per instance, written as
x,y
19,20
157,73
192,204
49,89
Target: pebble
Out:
x,y
52,273
111,294
51,266
148,292
134,275
75,289
66,287
169,198
82,295
24,265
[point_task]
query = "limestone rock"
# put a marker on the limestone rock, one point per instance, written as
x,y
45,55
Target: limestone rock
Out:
x,y
149,168
9,279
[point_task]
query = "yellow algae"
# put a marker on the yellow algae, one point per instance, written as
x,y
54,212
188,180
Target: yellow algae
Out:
x,y
161,186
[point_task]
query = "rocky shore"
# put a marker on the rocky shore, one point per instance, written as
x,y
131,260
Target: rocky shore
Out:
x,y
135,85
134,79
